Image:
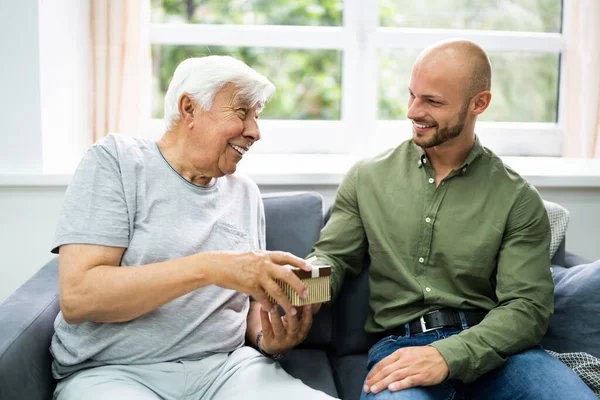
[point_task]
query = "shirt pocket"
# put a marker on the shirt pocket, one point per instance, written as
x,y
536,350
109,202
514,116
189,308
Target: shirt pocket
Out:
x,y
224,236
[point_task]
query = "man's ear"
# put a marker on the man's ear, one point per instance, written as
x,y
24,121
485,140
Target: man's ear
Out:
x,y
481,101
186,110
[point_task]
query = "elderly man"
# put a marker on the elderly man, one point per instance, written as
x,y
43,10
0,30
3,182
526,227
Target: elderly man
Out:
x,y
161,245
460,284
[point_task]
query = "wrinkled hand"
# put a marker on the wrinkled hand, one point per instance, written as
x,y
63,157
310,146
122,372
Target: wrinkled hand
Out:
x,y
281,334
255,272
407,367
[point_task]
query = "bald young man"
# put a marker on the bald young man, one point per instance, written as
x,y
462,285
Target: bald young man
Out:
x,y
460,284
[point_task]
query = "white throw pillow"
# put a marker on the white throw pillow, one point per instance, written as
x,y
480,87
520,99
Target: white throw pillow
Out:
x,y
559,220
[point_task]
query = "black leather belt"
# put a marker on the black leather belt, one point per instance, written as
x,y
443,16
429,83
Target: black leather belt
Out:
x,y
431,321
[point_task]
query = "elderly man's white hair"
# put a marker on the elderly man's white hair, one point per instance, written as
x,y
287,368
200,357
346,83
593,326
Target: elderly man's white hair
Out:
x,y
202,77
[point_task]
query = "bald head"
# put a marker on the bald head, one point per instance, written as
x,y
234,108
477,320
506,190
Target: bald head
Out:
x,y
463,59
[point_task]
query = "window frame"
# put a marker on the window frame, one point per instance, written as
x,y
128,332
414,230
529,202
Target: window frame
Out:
x,y
359,131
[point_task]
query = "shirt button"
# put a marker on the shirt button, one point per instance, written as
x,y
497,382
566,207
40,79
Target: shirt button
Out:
x,y
428,289
421,260
420,162
424,161
464,170
431,180
428,220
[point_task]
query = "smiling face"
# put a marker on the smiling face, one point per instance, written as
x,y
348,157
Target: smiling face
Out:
x,y
438,105
223,134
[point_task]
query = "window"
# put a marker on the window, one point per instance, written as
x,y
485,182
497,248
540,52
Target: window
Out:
x,y
341,68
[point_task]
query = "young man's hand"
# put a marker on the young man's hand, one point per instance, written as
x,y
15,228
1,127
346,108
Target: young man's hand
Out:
x,y
407,367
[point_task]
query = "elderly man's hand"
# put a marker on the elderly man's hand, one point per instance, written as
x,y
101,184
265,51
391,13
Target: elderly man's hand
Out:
x,y
407,367
281,334
256,272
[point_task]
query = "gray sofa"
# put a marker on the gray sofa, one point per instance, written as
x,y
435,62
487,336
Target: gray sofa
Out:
x,y
332,358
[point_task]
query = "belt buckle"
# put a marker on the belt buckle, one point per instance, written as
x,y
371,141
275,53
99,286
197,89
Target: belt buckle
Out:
x,y
424,324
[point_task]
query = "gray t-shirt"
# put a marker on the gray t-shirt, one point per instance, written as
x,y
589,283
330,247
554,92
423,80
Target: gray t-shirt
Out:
x,y
125,194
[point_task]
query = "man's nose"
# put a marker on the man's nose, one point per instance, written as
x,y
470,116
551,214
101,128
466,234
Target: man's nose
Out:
x,y
251,130
415,110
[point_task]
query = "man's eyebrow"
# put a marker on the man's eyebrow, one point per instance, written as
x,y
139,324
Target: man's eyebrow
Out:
x,y
428,96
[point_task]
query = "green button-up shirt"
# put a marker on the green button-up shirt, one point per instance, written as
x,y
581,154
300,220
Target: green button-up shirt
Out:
x,y
479,240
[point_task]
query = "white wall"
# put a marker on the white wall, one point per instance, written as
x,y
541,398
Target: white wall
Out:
x,y
583,236
20,139
65,60
28,220
29,216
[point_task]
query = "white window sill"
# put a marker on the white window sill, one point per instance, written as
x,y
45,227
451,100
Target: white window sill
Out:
x,y
328,169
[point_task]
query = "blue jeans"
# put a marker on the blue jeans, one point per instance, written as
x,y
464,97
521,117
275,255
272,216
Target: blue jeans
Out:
x,y
532,374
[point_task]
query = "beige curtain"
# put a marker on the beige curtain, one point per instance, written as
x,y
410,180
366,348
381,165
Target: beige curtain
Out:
x,y
120,66
582,117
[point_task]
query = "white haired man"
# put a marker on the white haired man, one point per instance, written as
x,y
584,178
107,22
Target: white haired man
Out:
x,y
160,246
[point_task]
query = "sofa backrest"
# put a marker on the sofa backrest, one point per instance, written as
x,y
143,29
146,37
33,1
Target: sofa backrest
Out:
x,y
294,221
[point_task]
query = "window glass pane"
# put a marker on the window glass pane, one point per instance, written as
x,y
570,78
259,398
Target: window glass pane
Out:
x,y
505,15
307,81
524,86
249,12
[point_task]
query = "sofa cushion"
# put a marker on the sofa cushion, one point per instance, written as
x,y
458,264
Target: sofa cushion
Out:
x,y
560,256
294,221
575,325
350,372
311,367
559,220
350,310
586,367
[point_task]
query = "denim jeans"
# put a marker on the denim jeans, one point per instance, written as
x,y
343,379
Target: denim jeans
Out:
x,y
532,374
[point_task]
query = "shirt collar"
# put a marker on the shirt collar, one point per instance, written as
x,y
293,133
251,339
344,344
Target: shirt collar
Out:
x,y
476,151
421,155
473,155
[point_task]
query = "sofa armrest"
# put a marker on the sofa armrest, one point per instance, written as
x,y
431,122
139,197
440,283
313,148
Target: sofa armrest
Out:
x,y
26,328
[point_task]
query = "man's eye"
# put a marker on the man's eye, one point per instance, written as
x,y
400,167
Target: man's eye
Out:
x,y
434,102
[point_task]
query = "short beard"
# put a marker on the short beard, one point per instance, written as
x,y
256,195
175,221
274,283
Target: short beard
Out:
x,y
443,135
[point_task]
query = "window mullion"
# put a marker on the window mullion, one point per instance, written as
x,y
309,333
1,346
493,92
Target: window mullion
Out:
x,y
360,69
562,75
